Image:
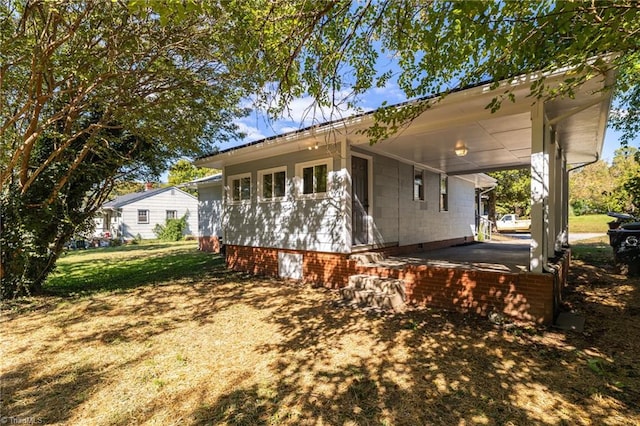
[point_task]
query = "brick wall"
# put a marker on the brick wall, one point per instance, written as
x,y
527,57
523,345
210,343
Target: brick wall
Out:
x,y
524,296
209,244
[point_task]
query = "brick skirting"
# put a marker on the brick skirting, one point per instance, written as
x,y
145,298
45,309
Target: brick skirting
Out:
x,y
524,296
209,244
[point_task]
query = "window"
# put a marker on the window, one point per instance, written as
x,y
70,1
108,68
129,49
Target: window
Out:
x,y
418,185
444,189
172,214
240,187
272,183
314,176
143,216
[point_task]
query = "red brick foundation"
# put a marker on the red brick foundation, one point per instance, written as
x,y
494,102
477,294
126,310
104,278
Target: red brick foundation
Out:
x,y
209,244
528,297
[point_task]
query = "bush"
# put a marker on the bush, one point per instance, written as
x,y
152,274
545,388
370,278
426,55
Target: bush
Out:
x,y
172,230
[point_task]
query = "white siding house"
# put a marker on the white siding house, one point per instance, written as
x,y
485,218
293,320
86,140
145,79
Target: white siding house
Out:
x,y
315,204
135,215
209,212
304,201
326,192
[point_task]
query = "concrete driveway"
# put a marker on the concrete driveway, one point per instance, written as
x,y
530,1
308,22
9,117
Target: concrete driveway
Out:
x,y
586,236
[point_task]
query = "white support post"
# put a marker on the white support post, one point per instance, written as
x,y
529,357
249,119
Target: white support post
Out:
x,y
565,202
560,201
539,189
345,170
552,213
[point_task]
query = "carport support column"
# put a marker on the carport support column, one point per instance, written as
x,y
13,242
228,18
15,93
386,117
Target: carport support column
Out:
x,y
561,192
553,215
539,252
565,202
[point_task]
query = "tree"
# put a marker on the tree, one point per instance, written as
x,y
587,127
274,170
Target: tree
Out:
x,y
590,188
170,76
124,187
327,48
92,92
184,171
625,173
33,233
600,187
512,192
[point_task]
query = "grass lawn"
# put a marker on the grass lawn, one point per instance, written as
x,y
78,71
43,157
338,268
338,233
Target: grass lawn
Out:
x,y
130,266
162,334
591,223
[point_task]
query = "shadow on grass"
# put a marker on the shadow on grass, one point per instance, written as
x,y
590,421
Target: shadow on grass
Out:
x,y
454,372
74,383
324,365
595,252
145,246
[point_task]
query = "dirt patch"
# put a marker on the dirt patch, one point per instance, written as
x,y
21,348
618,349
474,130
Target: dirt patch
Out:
x,y
232,349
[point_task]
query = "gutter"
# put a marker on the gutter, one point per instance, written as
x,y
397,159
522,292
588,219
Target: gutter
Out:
x,y
585,164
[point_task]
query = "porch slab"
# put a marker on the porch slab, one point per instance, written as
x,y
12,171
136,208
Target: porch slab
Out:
x,y
492,256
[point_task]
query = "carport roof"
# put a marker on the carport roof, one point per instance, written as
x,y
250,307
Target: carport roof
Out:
x,y
499,140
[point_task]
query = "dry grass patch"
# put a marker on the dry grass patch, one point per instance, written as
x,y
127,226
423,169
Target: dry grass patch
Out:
x,y
232,349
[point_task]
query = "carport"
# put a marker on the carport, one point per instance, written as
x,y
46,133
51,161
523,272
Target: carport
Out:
x,y
548,135
459,135
491,256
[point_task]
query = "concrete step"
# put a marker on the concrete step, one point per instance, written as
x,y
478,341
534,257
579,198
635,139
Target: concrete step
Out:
x,y
367,258
375,283
364,282
376,260
373,291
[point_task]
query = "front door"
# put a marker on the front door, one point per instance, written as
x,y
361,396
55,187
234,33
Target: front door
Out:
x,y
360,200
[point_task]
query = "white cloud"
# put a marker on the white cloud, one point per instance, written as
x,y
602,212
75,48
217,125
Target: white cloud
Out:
x,y
305,111
288,129
252,133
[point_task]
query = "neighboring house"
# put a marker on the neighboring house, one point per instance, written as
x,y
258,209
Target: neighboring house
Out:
x,y
136,214
298,205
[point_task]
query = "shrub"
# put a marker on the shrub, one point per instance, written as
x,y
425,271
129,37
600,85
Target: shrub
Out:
x,y
172,230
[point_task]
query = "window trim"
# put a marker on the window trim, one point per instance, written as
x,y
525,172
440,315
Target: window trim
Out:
x,y
175,214
147,215
300,178
443,196
272,171
423,198
239,177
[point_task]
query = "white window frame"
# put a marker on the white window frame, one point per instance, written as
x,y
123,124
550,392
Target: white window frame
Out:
x,y
175,214
239,177
272,171
300,178
443,195
422,199
147,214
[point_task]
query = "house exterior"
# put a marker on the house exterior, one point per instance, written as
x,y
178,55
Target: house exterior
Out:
x,y
299,205
136,214
210,190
